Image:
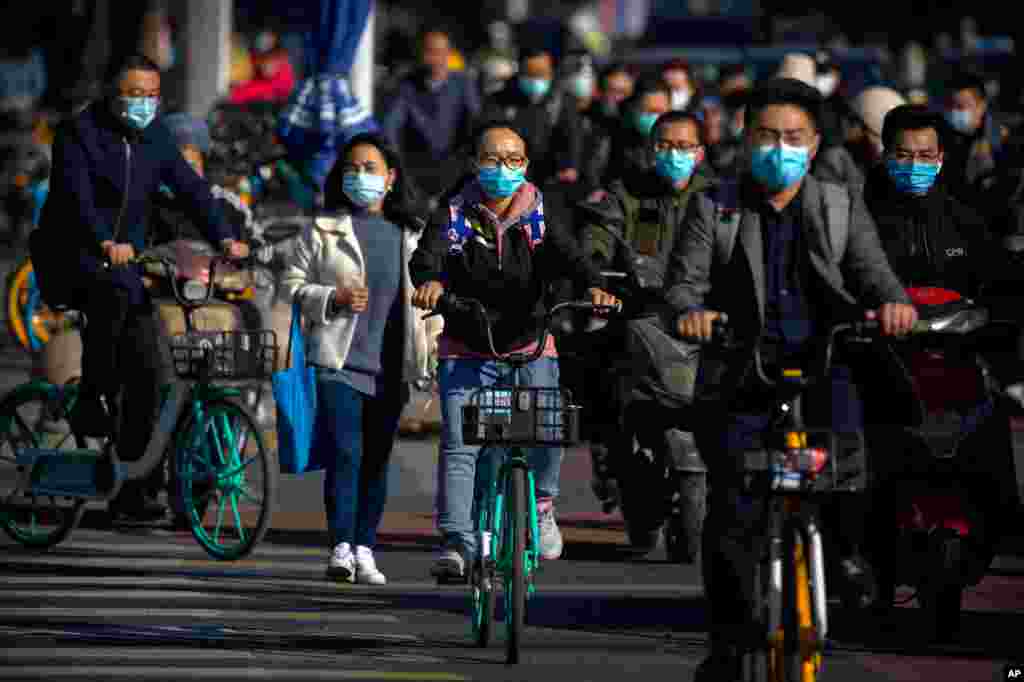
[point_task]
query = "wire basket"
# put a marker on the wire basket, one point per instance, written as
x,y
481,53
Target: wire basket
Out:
x,y
527,416
225,354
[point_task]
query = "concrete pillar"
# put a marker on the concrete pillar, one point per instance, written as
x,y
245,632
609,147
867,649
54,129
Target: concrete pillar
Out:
x,y
207,53
361,77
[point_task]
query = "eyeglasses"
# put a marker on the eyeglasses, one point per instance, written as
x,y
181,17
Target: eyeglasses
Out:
x,y
907,156
512,162
139,92
800,137
668,145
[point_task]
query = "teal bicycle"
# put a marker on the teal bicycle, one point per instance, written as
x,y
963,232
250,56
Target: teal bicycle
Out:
x,y
511,417
225,478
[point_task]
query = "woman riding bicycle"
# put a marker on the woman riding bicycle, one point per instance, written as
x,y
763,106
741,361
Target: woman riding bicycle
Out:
x,y
492,242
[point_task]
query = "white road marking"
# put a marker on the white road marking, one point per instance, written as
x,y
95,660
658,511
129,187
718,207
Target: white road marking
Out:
x,y
208,614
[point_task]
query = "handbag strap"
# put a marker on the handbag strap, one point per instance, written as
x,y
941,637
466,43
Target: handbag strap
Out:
x,y
295,330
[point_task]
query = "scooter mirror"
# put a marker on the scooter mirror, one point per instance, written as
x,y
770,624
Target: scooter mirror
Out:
x,y
960,322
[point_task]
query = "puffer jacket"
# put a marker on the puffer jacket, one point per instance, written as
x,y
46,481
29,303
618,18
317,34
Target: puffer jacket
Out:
x,y
325,253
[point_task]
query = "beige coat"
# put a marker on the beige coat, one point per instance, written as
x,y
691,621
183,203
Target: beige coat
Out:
x,y
326,253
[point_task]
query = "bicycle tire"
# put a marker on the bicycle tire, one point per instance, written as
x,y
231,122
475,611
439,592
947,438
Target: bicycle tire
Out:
x,y
67,518
755,656
515,582
33,333
190,461
482,576
800,663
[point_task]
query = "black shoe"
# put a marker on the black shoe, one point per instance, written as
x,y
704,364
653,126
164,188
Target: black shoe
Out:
x,y
137,509
857,586
719,667
90,417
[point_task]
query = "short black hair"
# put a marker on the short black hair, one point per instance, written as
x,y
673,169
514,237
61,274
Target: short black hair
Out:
x,y
912,117
645,87
730,70
677,117
784,91
966,79
495,124
134,62
534,51
613,68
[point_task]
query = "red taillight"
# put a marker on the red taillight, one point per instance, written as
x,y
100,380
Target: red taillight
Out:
x,y
932,295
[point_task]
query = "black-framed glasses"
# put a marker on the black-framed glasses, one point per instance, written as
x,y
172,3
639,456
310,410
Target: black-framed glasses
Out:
x,y
668,145
512,161
907,156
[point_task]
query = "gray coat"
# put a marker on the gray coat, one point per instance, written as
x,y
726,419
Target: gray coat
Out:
x,y
718,263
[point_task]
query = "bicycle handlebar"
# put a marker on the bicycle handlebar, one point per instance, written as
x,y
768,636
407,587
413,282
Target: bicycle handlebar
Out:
x,y
171,273
451,305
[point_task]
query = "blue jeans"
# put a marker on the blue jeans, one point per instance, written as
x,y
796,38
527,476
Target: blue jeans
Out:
x,y
360,429
457,468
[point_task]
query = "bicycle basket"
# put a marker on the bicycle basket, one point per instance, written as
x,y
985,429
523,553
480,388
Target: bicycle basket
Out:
x,y
224,355
527,416
807,461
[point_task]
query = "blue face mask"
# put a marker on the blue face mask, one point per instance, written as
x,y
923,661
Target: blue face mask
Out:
x,y
913,178
364,189
534,87
138,112
960,120
675,165
644,122
779,167
583,86
500,182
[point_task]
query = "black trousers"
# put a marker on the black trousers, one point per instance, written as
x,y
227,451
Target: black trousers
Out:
x,y
121,360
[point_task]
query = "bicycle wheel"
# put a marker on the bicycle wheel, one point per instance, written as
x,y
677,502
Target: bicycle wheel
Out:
x,y
802,658
37,418
29,320
517,519
227,480
482,571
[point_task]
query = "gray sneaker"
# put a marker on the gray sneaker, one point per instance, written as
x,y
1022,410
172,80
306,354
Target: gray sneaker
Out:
x,y
550,536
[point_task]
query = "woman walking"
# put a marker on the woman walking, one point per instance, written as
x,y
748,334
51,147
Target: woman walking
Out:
x,y
349,273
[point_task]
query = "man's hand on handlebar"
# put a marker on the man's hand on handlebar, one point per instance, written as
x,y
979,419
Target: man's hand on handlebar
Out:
x,y
698,325
118,254
355,298
235,250
896,319
602,297
427,295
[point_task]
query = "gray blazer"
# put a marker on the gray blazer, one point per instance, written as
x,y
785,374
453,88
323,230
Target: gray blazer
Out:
x,y
717,262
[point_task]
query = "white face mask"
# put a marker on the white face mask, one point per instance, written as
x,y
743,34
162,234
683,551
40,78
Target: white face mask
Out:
x,y
826,84
680,98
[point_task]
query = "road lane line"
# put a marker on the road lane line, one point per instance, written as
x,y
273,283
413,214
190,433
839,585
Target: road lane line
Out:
x,y
157,673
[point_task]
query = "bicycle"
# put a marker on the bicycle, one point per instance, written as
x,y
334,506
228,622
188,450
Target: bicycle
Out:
x,y
214,442
787,476
513,417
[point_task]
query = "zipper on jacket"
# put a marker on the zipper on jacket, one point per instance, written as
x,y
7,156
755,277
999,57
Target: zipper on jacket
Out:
x,y
127,186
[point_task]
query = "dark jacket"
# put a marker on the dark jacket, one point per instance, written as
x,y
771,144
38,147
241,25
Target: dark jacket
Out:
x,y
170,220
630,154
512,289
432,127
645,211
104,180
95,158
550,128
934,240
596,130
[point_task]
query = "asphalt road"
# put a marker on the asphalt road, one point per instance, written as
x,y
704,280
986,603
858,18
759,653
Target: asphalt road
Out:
x,y
150,605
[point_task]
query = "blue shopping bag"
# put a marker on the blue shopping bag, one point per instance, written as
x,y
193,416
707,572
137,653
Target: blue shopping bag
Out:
x,y
295,394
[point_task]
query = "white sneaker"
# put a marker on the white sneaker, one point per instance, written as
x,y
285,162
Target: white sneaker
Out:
x,y
550,537
449,566
366,568
342,565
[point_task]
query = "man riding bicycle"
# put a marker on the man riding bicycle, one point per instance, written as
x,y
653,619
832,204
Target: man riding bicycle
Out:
x,y
632,230
108,163
784,256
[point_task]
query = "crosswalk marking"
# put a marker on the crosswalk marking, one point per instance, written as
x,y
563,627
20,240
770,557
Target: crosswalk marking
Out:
x,y
208,614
